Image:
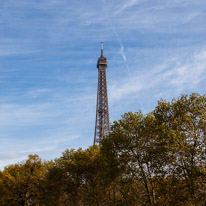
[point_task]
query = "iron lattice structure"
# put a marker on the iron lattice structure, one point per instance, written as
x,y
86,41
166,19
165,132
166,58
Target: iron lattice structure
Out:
x,y
102,125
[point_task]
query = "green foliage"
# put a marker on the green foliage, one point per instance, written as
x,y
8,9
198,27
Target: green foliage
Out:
x,y
156,159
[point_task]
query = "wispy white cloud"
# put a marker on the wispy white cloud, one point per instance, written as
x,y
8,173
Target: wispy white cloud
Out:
x,y
191,16
16,46
126,5
190,73
152,16
44,147
178,3
37,92
22,115
125,60
178,74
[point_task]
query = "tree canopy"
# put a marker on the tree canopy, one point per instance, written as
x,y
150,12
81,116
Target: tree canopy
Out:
x,y
156,159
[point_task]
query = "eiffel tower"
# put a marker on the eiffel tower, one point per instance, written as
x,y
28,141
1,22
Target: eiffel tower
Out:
x,y
102,126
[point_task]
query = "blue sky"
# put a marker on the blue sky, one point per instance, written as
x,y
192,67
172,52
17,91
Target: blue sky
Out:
x,y
48,75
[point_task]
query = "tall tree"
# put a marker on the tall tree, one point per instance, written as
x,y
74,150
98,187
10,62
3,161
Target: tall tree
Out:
x,y
186,120
23,183
79,175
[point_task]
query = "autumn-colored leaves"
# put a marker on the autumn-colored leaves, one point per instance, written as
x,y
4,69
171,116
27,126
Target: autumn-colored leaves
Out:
x,y
154,159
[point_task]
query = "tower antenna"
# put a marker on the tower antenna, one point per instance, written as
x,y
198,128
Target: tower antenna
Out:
x,y
102,44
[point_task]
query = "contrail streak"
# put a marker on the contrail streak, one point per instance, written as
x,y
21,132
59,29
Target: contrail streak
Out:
x,y
121,49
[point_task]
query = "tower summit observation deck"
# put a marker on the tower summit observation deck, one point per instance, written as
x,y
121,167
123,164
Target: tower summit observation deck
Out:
x,y
102,126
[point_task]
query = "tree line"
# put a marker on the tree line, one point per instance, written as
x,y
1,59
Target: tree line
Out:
x,y
157,159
